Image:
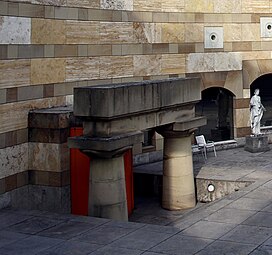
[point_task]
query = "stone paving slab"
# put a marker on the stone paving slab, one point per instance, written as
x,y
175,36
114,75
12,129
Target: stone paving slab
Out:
x,y
240,223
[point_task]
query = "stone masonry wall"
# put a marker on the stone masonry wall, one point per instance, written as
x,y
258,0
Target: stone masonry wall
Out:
x,y
48,47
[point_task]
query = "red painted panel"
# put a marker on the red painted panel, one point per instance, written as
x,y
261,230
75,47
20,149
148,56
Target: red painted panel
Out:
x,y
128,160
80,168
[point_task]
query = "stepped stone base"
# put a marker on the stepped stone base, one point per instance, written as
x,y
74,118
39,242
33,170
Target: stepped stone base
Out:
x,y
257,144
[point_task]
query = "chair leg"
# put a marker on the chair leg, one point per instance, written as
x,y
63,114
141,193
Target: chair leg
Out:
x,y
214,152
205,152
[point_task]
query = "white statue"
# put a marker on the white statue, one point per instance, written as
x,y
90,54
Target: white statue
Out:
x,y
256,113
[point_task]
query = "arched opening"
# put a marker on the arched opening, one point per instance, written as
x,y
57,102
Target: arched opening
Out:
x,y
217,106
264,84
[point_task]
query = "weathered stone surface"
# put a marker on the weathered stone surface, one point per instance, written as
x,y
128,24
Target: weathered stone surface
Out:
x,y
206,62
15,30
257,143
79,32
48,31
14,73
13,160
117,5
227,6
147,32
82,69
131,98
45,71
48,157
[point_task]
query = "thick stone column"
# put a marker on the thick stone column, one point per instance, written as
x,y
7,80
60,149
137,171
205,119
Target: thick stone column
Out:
x,y
107,188
178,176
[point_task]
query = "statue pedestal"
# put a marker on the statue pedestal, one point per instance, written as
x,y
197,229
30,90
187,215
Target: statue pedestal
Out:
x,y
257,143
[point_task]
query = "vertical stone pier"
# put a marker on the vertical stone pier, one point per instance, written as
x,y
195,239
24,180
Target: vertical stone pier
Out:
x,y
178,176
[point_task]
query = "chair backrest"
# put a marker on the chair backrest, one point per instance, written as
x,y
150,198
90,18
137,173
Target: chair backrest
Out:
x,y
200,139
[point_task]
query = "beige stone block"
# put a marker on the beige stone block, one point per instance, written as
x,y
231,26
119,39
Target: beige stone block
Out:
x,y
173,48
266,46
194,32
82,32
147,32
256,46
48,157
241,18
116,67
117,4
13,160
47,31
99,50
242,117
213,18
251,71
116,32
84,3
14,116
145,65
228,47
49,2
256,55
14,73
246,93
232,32
255,6
160,17
45,71
199,6
173,64
265,66
227,6
234,83
208,62
172,33
251,32
152,5
173,6
14,30
132,49
116,49
227,61
82,69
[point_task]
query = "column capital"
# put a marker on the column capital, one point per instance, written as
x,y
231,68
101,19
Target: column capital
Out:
x,y
105,147
181,129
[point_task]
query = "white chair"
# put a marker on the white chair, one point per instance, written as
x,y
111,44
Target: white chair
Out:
x,y
196,150
201,142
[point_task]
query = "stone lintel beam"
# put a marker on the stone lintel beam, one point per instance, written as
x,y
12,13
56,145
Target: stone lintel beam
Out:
x,y
126,99
142,121
105,147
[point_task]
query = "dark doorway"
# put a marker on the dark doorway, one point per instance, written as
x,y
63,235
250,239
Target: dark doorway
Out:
x,y
264,84
217,106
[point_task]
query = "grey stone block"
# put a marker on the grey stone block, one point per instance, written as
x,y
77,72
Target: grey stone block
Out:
x,y
262,219
116,251
257,144
182,245
228,248
248,234
206,229
8,237
141,239
29,246
103,235
67,230
71,248
34,225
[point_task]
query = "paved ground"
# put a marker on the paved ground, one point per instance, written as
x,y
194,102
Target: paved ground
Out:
x,y
240,223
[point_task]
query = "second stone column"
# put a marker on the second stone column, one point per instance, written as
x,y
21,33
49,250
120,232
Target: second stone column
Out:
x,y
178,176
